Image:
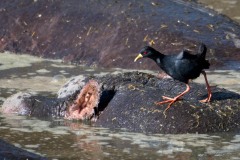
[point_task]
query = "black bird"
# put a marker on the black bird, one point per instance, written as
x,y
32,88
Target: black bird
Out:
x,y
183,67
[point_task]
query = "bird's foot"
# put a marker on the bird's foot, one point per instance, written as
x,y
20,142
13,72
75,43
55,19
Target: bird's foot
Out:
x,y
168,100
205,100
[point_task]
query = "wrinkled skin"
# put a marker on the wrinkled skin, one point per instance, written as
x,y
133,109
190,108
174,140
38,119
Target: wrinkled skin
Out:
x,y
110,33
127,101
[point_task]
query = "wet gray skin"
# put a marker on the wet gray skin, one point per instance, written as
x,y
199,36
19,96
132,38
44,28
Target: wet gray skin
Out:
x,y
109,34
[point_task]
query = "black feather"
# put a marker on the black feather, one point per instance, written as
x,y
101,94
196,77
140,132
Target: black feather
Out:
x,y
182,66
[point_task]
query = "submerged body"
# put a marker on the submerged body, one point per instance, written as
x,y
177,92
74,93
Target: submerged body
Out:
x,y
183,67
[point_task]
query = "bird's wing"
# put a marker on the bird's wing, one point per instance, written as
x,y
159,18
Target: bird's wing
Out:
x,y
187,68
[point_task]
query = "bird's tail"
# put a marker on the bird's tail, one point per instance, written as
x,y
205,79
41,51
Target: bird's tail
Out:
x,y
202,50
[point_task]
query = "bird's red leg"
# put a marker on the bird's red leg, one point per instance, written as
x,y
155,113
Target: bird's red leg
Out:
x,y
208,88
172,100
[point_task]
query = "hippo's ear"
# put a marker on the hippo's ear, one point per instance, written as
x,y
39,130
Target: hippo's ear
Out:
x,y
19,103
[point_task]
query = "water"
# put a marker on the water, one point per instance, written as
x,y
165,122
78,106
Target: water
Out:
x,y
226,7
61,139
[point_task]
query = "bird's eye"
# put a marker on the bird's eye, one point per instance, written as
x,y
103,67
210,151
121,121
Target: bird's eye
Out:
x,y
145,52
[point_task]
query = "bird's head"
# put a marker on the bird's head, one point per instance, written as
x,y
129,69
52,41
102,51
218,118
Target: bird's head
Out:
x,y
145,52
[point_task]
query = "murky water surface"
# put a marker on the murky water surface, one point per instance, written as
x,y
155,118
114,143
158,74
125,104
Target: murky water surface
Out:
x,y
226,7
61,139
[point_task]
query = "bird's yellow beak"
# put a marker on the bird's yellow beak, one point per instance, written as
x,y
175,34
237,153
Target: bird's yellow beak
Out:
x,y
138,57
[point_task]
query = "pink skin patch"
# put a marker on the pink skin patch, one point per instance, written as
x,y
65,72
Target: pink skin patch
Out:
x,y
163,75
86,101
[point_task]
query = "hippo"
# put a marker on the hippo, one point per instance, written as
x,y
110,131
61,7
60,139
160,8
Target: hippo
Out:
x,y
127,100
